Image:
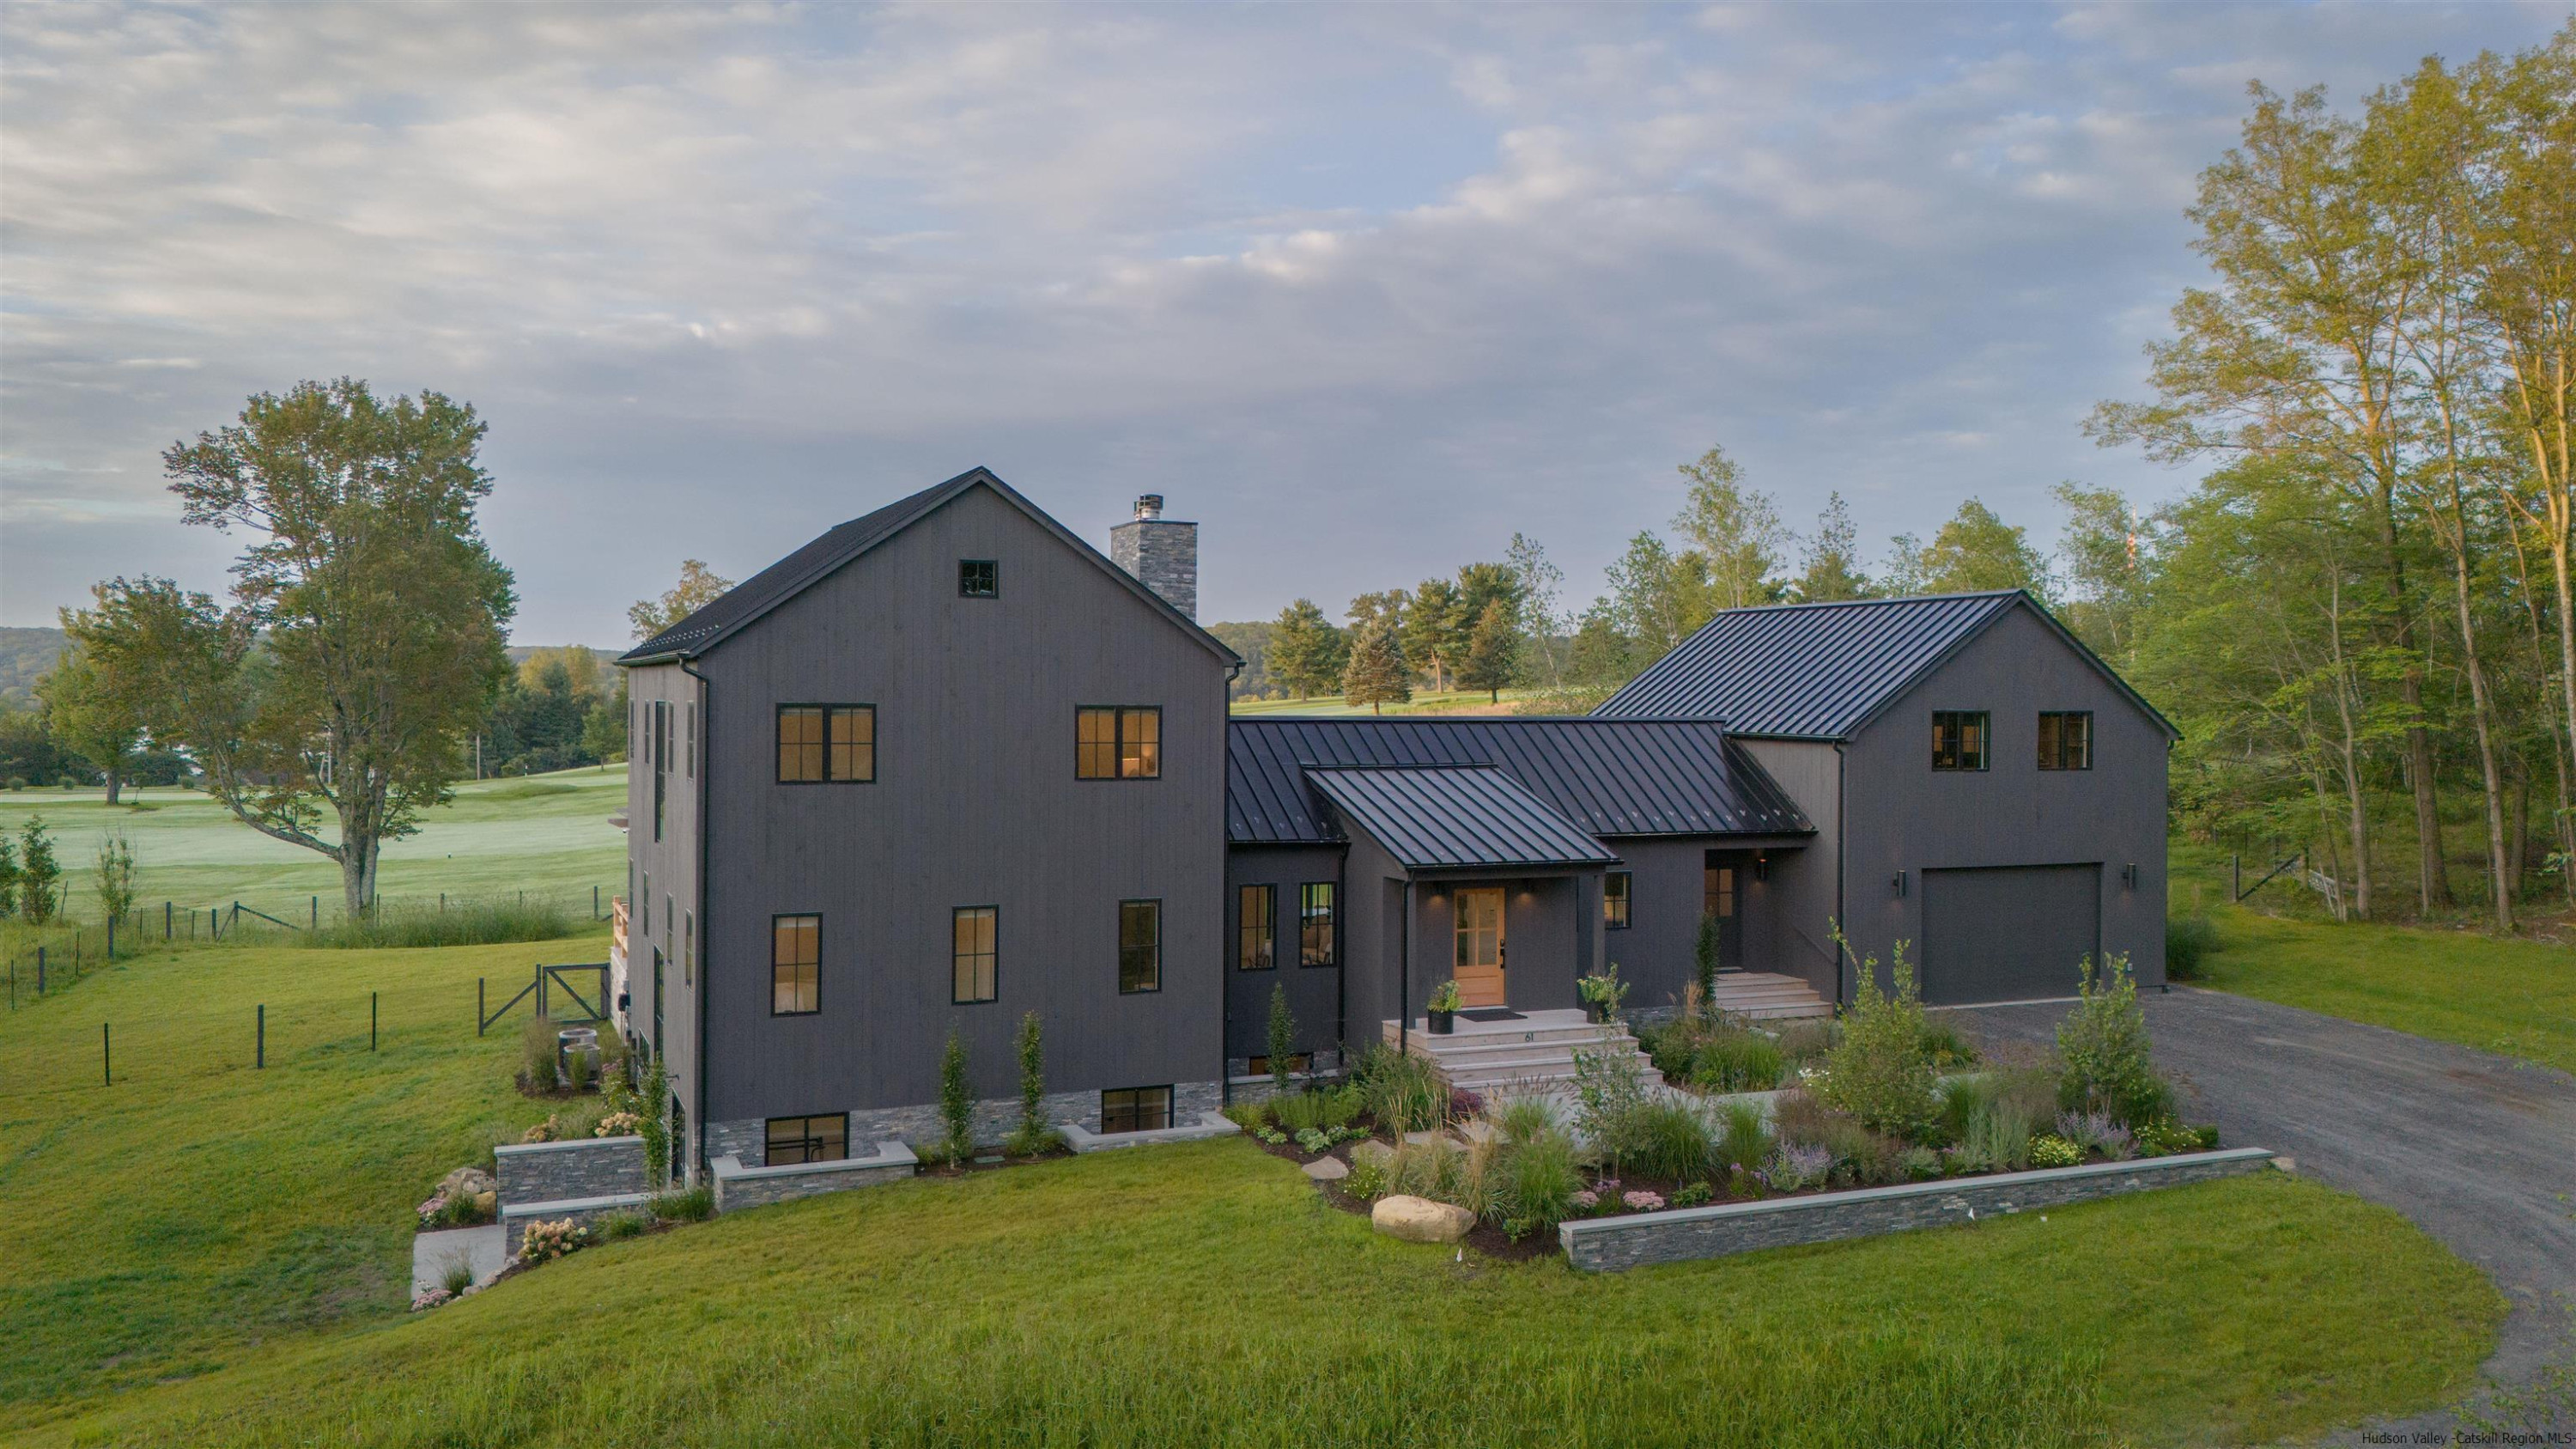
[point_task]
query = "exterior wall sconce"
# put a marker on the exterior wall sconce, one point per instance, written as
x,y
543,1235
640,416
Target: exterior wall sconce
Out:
x,y
1900,883
1761,866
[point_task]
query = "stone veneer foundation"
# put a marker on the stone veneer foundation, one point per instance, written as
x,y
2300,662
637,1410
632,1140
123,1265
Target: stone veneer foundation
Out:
x,y
1687,1234
747,1139
585,1167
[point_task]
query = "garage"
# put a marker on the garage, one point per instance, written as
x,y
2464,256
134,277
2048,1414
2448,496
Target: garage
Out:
x,y
2013,933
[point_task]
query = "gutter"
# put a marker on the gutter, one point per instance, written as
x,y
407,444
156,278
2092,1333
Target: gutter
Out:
x,y
706,767
1842,864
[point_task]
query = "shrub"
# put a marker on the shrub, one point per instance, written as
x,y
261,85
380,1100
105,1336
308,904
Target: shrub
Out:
x,y
1250,1116
461,923
581,1076
1878,1072
2165,1137
1944,1047
1795,1167
2050,1150
1737,1061
1282,1037
1961,1099
2095,1132
456,1276
1744,1138
1808,1038
1425,1169
1539,1181
1605,990
1697,1194
623,1225
618,1124
547,1241
1479,1177
40,896
2187,940
549,1130
1672,1140
1641,1201
1404,1092
2103,1053
537,1054
1610,1098
1918,1164
1316,1110
1704,955
429,1298
1367,1179
1033,1136
956,1101
1521,1118
115,868
1465,1106
685,1205
1998,1138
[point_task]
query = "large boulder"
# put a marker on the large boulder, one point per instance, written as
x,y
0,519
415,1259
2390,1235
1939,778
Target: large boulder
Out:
x,y
1420,1220
467,1182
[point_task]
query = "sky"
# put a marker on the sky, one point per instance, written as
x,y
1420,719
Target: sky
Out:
x,y
1364,291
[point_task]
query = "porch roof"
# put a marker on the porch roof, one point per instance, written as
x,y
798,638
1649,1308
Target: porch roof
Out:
x,y
1445,817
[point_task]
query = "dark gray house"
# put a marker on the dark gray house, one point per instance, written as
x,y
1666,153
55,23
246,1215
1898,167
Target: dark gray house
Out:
x,y
1984,787
949,764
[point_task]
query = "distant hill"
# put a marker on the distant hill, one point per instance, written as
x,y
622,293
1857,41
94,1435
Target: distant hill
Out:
x,y
26,655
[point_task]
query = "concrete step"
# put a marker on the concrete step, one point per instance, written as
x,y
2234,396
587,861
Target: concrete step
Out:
x,y
1572,1035
1487,1050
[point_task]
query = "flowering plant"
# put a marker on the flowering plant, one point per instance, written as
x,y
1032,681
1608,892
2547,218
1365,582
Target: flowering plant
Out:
x,y
618,1124
431,1298
546,1242
2050,1150
434,1210
544,1131
1795,1166
1641,1201
1587,1199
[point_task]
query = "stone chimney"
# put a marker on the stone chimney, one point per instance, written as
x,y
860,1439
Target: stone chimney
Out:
x,y
1162,553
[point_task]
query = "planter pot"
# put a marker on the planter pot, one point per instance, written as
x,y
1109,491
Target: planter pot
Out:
x,y
1442,1022
1595,1012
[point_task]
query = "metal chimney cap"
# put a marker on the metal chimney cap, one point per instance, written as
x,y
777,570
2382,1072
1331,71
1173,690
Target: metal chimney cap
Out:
x,y
1149,505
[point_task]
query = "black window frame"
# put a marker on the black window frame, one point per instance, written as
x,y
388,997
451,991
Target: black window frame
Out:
x,y
661,762
776,965
979,578
1721,890
806,1141
1950,752
688,948
1258,1065
1121,717
993,986
1154,947
832,716
1269,937
2059,719
1615,905
1135,1110
1332,918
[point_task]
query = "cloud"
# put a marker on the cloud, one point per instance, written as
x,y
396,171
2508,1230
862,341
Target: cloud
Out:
x,y
1365,290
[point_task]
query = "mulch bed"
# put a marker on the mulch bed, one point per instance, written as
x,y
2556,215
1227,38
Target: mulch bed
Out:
x,y
1484,1237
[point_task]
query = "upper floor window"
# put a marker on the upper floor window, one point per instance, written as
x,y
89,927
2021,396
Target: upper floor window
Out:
x,y
1315,924
974,957
979,578
1614,899
820,743
1959,739
2066,740
1255,931
795,965
1118,742
1140,945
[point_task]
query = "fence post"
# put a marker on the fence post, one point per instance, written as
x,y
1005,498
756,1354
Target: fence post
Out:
x,y
166,921
371,1021
478,1005
111,938
106,1073
40,970
317,913
594,903
261,1060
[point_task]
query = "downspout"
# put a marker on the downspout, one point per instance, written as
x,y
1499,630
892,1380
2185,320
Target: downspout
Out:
x,y
1341,959
706,767
1842,871
1225,856
1404,973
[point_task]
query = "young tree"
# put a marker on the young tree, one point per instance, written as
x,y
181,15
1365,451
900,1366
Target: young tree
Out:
x,y
1657,597
376,610
9,875
1493,660
93,710
1435,629
1377,675
2101,544
1976,551
1282,1038
1541,585
1388,605
698,587
1830,571
40,894
1737,531
115,868
1306,652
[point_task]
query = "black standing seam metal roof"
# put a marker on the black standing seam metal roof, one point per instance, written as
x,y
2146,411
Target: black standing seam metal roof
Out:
x,y
1608,777
1821,671
818,560
1447,816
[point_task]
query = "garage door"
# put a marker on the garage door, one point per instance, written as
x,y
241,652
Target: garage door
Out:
x,y
2018,933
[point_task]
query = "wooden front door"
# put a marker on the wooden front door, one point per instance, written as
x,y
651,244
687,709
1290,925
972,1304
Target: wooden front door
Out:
x,y
1479,965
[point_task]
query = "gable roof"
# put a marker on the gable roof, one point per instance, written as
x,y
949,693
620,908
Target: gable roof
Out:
x,y
1447,816
1821,671
747,601
1606,777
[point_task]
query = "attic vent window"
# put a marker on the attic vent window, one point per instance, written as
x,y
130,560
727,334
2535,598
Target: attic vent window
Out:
x,y
979,578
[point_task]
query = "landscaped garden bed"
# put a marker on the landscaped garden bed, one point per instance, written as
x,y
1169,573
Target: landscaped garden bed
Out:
x,y
1866,1108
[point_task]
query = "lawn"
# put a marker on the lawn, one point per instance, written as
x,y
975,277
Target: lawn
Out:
x,y
1456,701
2516,998
226,1247
201,1206
540,832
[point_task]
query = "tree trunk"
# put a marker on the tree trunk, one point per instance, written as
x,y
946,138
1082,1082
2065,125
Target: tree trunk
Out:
x,y
2482,708
115,783
2432,882
2349,748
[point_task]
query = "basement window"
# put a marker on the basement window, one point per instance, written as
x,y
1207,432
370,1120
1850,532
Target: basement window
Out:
x,y
808,1139
1135,1109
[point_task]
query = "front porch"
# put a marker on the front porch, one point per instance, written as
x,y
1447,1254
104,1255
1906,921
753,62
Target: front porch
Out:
x,y
1510,1052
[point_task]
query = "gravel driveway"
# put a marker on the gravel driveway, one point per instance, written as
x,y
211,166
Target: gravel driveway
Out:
x,y
2479,1150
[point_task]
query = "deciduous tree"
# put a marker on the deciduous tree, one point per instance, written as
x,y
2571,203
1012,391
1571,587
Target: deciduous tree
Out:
x,y
698,587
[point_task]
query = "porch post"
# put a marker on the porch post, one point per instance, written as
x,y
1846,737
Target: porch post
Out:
x,y
1404,973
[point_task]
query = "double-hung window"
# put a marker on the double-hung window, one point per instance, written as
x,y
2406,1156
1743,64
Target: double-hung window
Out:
x,y
1140,946
1959,739
1614,899
1315,941
1118,742
974,954
2066,740
1256,930
795,965
827,744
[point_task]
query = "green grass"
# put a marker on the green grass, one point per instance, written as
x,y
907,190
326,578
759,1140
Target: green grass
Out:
x,y
200,1207
2517,998
205,1253
1423,702
542,832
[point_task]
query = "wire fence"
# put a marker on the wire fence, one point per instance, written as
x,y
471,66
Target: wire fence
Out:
x,y
41,960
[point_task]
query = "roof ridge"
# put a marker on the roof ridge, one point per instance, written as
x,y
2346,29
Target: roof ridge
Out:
x,y
1785,606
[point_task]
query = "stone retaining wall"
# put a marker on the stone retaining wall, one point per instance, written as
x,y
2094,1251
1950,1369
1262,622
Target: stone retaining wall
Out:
x,y
584,1168
587,1211
1611,1244
921,1126
739,1187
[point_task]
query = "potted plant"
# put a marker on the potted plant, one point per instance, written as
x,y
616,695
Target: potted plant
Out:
x,y
1602,994
1444,1009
